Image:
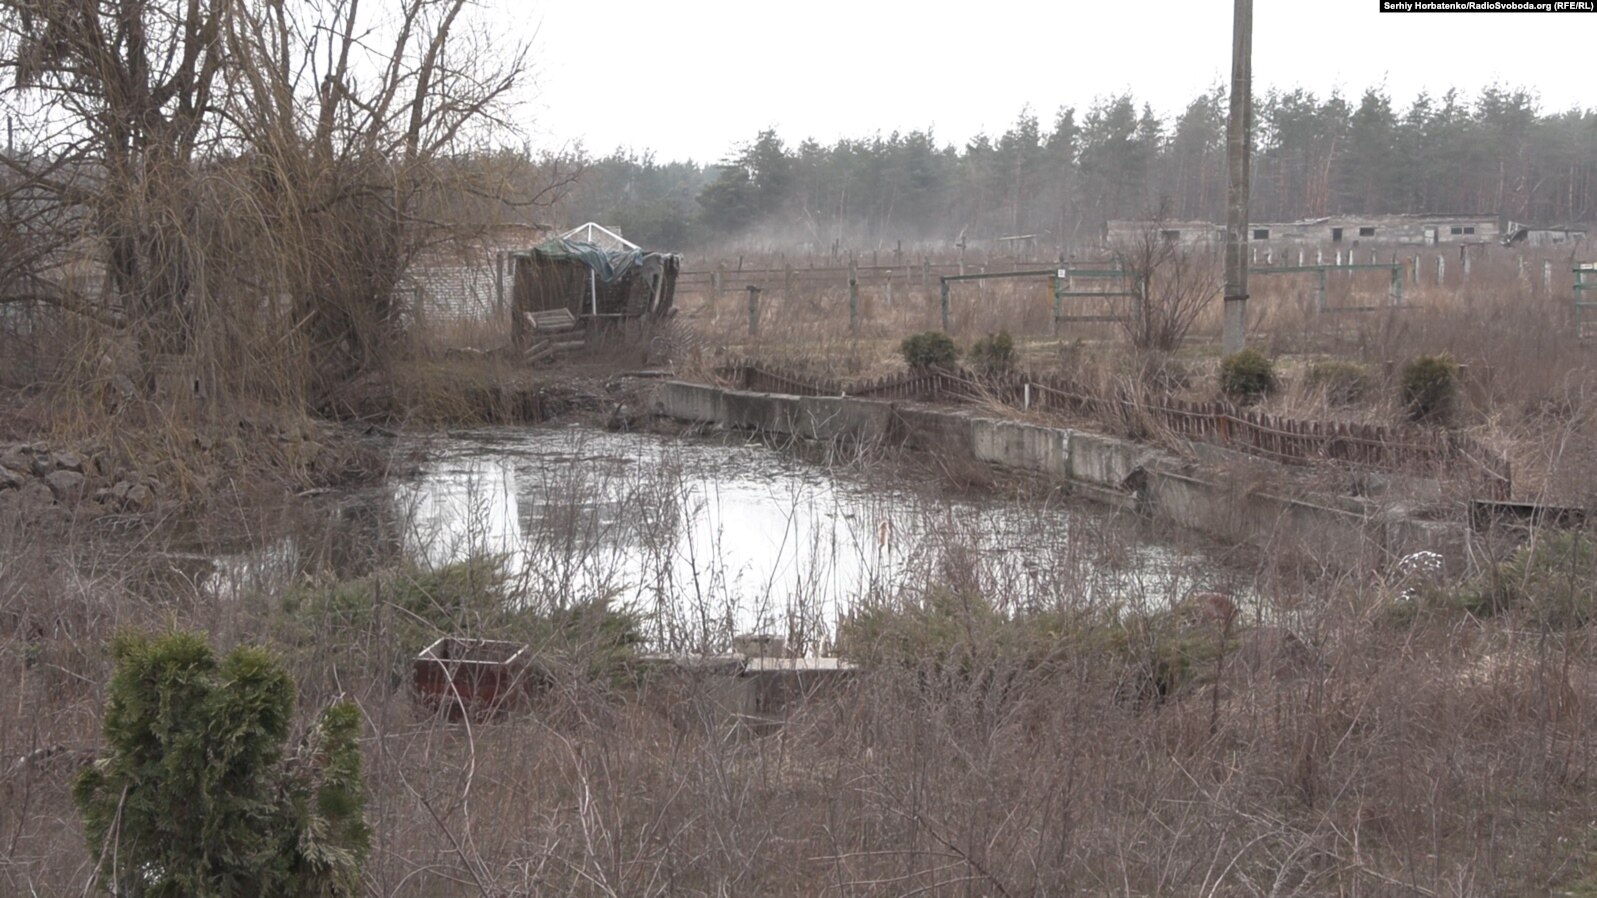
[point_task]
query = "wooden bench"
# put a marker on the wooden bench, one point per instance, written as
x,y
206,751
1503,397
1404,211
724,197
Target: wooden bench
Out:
x,y
553,320
553,331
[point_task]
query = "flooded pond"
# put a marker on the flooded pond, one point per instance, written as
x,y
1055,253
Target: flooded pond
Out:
x,y
706,538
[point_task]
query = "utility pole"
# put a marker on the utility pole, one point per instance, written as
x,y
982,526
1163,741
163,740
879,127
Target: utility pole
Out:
x,y
1239,142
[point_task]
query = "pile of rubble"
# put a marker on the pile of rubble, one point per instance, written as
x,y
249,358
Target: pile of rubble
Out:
x,y
38,480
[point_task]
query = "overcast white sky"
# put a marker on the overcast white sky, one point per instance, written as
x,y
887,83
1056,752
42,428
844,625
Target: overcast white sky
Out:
x,y
692,78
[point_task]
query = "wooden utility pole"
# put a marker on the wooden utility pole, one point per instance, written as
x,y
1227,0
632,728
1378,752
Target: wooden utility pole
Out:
x,y
1239,142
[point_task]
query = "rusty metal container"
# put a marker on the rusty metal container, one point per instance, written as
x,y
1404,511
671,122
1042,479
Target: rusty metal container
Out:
x,y
474,679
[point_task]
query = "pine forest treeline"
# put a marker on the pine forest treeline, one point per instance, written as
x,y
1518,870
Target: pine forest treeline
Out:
x,y
1497,152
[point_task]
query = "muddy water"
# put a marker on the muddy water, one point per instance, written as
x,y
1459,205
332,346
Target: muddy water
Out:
x,y
708,538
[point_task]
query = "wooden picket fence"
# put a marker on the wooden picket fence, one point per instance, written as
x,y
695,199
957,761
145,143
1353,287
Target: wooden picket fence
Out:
x,y
1289,440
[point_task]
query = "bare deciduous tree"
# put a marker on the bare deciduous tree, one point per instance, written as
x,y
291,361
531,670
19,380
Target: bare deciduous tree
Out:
x,y
1174,283
253,176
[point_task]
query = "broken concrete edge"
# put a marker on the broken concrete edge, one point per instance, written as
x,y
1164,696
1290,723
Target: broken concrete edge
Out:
x,y
1106,469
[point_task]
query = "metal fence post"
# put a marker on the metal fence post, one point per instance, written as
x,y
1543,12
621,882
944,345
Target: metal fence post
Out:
x,y
499,282
853,303
1059,279
944,283
754,310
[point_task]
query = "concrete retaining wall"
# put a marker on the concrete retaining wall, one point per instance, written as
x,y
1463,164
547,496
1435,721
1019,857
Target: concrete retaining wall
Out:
x,y
1111,469
1235,514
1029,447
1106,461
952,433
698,403
830,418
765,412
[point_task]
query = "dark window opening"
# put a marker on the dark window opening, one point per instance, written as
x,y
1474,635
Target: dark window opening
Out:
x,y
1469,230
1455,230
1366,232
1261,233
1336,235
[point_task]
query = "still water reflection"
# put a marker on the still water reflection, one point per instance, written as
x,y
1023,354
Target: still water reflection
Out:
x,y
709,537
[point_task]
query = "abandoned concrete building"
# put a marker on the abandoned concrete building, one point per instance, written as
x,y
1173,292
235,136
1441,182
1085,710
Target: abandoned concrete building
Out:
x,y
1185,233
1383,230
1521,234
1351,230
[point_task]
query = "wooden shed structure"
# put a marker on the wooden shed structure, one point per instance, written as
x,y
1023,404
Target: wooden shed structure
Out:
x,y
596,275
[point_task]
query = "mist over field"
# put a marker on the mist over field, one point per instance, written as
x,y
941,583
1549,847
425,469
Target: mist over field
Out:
x,y
1062,176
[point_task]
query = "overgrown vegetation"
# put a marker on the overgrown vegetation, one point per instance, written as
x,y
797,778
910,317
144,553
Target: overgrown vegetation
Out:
x,y
929,349
1173,285
330,623
242,187
1550,582
228,221
1429,387
1342,382
1026,715
947,628
1247,376
994,353
949,632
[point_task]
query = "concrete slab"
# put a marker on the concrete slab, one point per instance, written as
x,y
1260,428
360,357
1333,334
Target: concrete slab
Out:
x,y
690,402
829,418
1025,447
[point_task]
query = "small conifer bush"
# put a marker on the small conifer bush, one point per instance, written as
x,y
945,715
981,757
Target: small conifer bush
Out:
x,y
1247,375
994,353
931,349
1430,383
197,792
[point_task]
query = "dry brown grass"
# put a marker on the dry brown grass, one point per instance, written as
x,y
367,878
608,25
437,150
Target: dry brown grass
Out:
x,y
1392,753
1437,756
1526,384
1351,743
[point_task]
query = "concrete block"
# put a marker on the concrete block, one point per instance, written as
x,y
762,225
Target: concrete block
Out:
x,y
1232,513
689,402
1105,461
829,418
764,412
1403,534
1026,447
931,430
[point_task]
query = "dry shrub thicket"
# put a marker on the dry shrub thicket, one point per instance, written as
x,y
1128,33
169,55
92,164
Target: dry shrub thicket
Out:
x,y
213,203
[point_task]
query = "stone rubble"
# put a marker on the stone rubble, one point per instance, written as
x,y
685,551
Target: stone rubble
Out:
x,y
40,481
